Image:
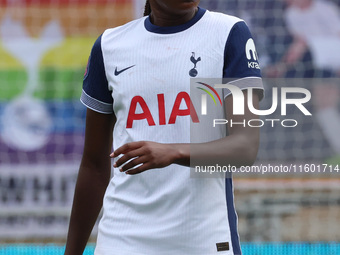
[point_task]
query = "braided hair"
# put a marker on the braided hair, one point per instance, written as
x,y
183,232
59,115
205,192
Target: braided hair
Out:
x,y
147,9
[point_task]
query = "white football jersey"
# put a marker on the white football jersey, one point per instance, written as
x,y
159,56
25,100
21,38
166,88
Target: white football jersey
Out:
x,y
141,73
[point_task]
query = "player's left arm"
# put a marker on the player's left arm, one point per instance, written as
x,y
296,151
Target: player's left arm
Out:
x,y
238,149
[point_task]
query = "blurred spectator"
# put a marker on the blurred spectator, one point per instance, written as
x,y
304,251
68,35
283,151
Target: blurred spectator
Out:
x,y
315,27
314,53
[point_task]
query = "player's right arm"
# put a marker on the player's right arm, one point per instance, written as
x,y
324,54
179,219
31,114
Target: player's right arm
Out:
x,y
93,178
95,167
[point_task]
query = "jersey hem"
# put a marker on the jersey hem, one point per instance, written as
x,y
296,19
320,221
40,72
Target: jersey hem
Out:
x,y
107,251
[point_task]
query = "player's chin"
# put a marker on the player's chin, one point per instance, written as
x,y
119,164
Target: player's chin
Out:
x,y
192,3
188,4
195,2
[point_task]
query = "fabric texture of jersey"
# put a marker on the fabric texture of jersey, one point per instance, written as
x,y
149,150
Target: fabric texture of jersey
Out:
x,y
141,73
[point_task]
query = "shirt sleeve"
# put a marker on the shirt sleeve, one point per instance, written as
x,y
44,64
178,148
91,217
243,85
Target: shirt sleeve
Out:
x,y
241,65
96,94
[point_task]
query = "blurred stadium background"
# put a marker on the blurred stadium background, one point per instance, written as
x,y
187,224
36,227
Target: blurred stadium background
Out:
x,y
44,46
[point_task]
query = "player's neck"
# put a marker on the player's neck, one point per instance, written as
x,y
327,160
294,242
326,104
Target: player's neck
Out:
x,y
163,19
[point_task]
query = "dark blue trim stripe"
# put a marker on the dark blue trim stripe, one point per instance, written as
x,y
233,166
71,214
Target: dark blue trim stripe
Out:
x,y
174,29
232,217
95,104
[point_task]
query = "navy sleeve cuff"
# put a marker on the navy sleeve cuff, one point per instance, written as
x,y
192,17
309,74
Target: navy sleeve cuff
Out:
x,y
95,104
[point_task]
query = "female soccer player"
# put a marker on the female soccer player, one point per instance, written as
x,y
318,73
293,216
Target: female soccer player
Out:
x,y
137,90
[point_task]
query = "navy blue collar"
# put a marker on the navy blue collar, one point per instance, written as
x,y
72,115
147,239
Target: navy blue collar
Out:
x,y
173,29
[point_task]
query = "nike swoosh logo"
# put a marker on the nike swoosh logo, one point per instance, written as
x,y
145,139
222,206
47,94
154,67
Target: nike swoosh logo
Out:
x,y
123,70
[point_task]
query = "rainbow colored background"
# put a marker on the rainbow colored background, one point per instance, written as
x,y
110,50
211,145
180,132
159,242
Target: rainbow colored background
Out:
x,y
61,69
